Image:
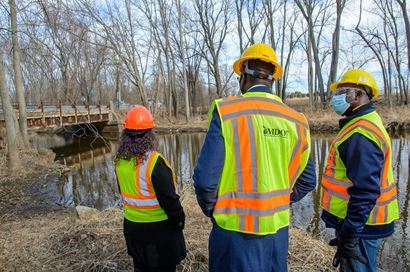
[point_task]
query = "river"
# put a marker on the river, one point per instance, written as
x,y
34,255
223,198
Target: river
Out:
x,y
91,182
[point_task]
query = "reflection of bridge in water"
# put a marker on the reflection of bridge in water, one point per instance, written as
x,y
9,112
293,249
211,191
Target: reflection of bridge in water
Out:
x,y
63,115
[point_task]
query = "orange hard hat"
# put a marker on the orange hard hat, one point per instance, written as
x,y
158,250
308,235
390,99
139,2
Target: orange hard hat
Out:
x,y
138,118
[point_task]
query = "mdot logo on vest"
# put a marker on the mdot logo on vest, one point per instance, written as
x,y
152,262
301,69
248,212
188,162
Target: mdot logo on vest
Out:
x,y
275,132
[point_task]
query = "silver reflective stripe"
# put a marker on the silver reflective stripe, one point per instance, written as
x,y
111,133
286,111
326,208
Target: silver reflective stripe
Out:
x,y
338,182
332,169
251,212
240,195
242,222
143,183
141,202
305,147
237,154
294,177
375,212
253,154
384,203
262,112
256,223
336,194
328,203
249,99
386,215
390,187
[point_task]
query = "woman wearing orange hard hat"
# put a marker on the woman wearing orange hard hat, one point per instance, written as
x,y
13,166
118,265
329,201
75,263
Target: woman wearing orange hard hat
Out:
x,y
153,215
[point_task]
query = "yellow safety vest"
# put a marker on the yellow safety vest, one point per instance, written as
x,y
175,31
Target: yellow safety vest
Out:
x,y
335,197
267,145
138,195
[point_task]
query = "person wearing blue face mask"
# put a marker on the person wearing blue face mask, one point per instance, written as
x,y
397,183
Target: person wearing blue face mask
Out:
x,y
359,194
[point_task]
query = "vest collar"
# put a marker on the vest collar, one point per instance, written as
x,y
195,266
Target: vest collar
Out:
x,y
360,111
259,88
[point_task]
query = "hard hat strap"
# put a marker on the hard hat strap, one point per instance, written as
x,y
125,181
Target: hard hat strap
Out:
x,y
256,73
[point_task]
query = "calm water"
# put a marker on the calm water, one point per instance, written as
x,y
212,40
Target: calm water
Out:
x,y
91,182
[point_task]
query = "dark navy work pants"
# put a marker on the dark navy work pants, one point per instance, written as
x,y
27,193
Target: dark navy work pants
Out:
x,y
240,252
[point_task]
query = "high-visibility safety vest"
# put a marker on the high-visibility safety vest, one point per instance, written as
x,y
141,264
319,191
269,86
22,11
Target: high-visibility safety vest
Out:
x,y
137,193
267,145
335,183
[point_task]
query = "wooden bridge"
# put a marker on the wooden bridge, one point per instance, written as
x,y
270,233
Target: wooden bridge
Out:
x,y
62,115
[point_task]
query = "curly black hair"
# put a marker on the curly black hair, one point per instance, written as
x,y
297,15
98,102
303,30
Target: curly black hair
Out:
x,y
135,144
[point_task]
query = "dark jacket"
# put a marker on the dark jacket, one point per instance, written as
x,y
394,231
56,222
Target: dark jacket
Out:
x,y
364,161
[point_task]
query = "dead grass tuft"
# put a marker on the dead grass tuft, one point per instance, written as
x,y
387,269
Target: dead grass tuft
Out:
x,y
59,241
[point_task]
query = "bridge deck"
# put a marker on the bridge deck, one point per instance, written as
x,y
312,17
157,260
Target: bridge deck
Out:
x,y
53,116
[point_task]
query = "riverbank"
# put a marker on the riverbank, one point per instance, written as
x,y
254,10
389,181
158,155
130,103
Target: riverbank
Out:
x,y
395,119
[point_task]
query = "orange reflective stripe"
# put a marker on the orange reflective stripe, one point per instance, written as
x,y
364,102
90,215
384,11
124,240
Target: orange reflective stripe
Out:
x,y
334,188
137,178
245,154
237,107
140,207
238,155
294,164
388,196
249,223
243,211
253,203
331,162
326,199
147,174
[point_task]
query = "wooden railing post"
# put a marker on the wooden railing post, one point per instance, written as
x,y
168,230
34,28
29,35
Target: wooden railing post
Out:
x,y
88,113
60,108
75,113
99,110
43,116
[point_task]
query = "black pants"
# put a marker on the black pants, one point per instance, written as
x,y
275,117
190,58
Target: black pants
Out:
x,y
154,247
139,267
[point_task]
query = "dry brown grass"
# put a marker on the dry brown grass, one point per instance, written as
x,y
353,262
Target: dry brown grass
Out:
x,y
59,242
326,120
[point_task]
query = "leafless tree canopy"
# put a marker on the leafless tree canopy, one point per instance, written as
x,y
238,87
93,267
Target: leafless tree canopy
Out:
x,y
174,56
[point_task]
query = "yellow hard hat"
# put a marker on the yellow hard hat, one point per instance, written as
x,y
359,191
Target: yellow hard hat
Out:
x,y
358,77
261,52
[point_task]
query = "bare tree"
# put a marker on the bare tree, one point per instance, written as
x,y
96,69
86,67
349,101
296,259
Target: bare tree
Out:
x,y
120,33
340,5
182,50
307,8
403,6
12,147
18,80
213,19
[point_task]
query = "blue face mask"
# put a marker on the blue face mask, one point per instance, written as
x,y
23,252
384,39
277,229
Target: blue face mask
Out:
x,y
339,104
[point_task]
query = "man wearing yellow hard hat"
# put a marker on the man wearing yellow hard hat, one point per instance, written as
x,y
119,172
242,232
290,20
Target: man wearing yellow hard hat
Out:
x,y
254,163
359,194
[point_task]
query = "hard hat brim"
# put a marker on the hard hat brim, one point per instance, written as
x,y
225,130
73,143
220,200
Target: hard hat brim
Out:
x,y
237,65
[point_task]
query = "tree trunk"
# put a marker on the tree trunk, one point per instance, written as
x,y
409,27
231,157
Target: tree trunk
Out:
x,y
340,4
17,74
13,155
182,45
403,7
